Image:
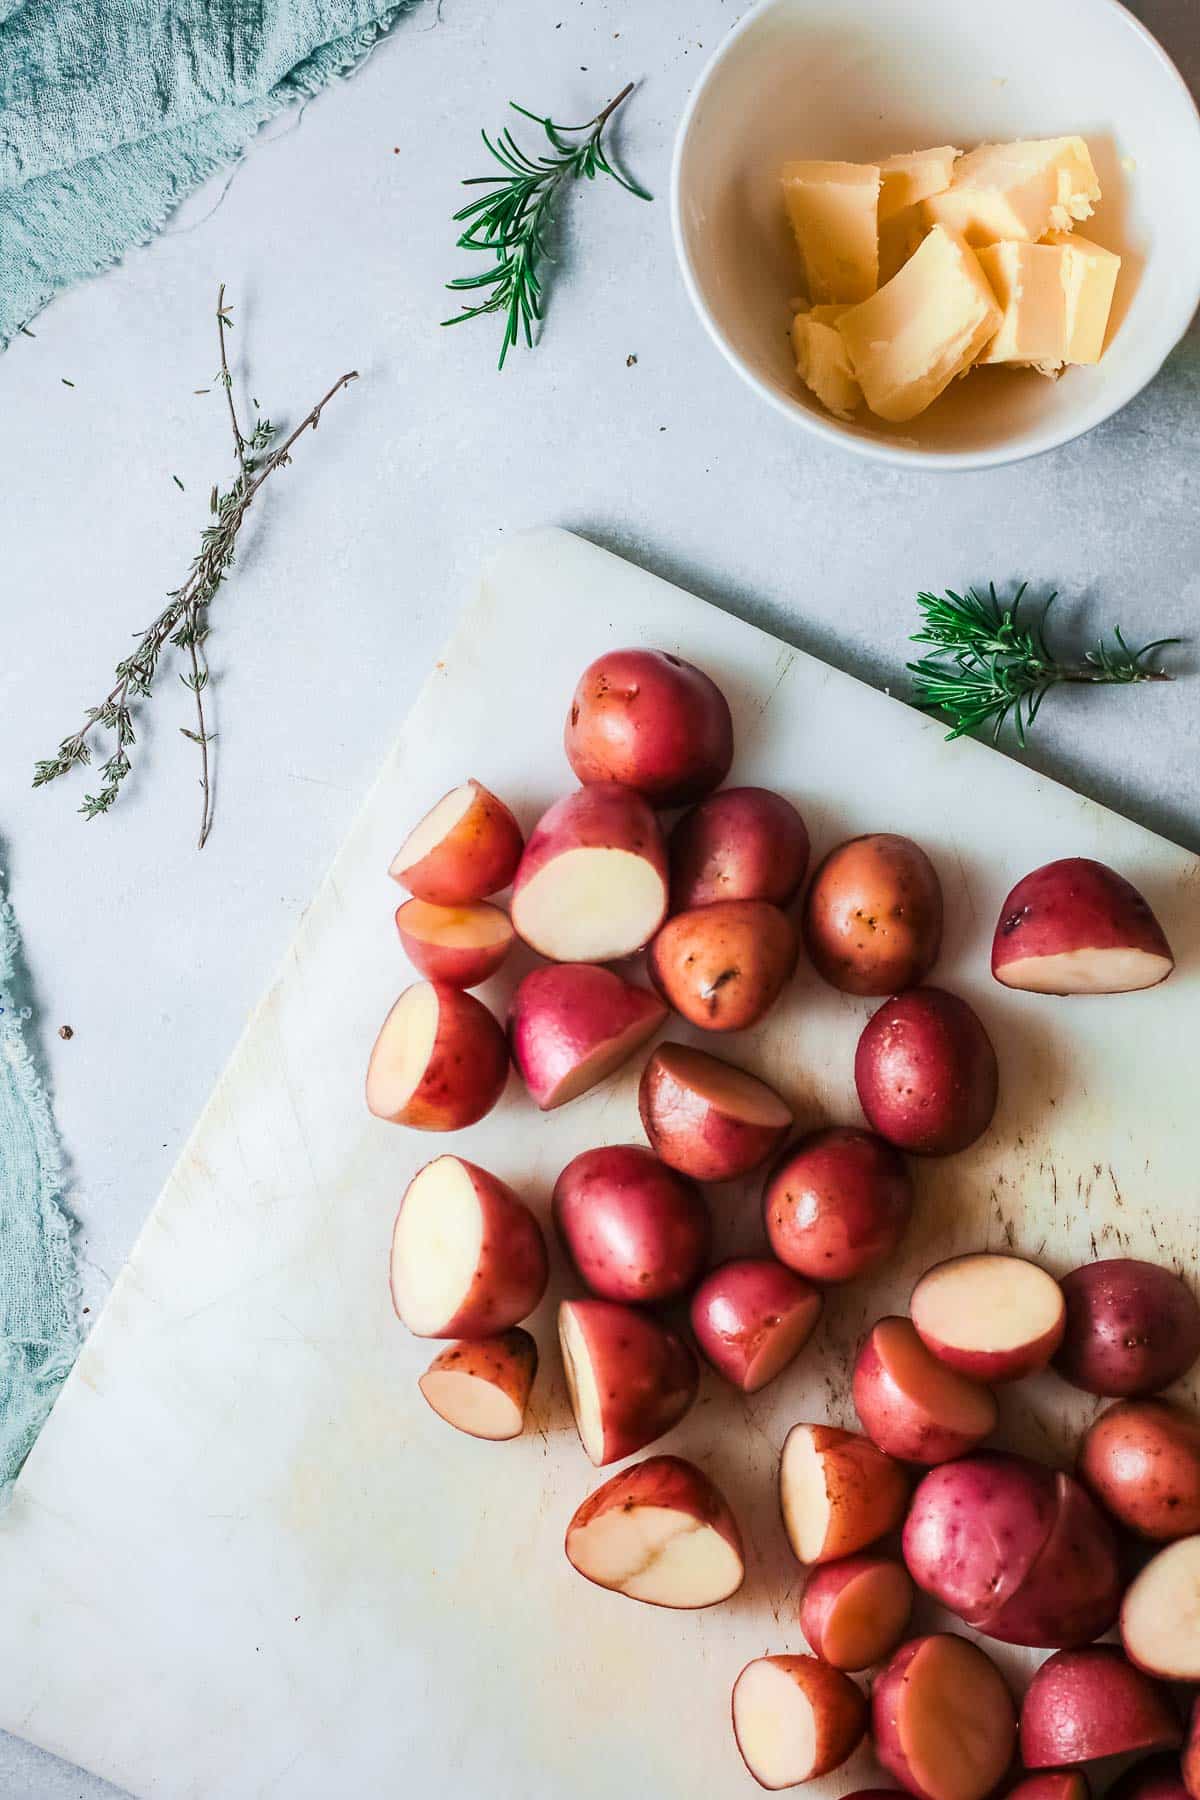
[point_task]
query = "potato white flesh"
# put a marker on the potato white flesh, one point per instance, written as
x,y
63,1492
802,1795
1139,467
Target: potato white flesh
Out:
x,y
987,1303
471,926
955,1721
657,1554
438,823
436,1247
1160,1619
402,1050
775,1726
725,1088
582,1391
1086,972
473,1405
590,905
804,1496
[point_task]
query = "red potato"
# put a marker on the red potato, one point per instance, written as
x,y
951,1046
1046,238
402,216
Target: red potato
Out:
x,y
660,1532
635,1230
993,1318
482,1386
724,966
468,1257
1088,1703
707,1118
873,915
651,721
912,1405
943,1719
440,1061
1189,1756
1141,1460
795,1718
837,1491
1160,1614
572,1024
837,1204
751,1316
629,1378
1053,1784
926,1073
1132,1328
1158,1778
467,847
741,844
855,1612
592,884
1077,927
460,945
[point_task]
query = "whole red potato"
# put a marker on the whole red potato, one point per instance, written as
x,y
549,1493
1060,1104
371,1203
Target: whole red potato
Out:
x,y
651,721
837,1204
741,844
926,1072
751,1316
1132,1328
635,1230
1141,1459
723,966
873,915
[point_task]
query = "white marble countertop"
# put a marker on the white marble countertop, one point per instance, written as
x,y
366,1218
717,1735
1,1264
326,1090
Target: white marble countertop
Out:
x,y
333,238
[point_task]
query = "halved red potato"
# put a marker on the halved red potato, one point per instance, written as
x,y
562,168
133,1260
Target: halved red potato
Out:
x,y
440,1061
466,847
741,844
724,966
795,1718
926,1072
1141,1459
873,915
837,1204
572,1024
1189,1756
1160,1614
629,1378
943,1719
1088,1703
707,1118
460,945
751,1316
1077,927
635,1230
482,1385
1052,1784
993,1318
468,1257
660,1532
837,1491
1157,1778
1132,1328
652,721
592,884
912,1405
855,1612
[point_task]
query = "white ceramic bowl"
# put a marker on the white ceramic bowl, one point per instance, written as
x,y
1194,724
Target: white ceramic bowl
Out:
x,y
853,79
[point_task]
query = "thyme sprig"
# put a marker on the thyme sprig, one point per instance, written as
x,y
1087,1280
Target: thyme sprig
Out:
x,y
183,622
511,221
988,662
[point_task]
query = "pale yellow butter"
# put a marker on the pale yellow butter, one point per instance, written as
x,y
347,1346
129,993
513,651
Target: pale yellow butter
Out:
x,y
914,176
927,325
1017,191
832,207
1055,297
821,360
899,236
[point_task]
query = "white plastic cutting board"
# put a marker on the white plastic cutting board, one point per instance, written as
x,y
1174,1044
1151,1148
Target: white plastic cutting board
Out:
x,y
245,1559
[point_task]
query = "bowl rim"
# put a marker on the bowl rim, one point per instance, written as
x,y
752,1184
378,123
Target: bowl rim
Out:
x,y
828,429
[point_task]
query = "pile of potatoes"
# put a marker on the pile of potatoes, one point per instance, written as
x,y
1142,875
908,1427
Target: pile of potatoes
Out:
x,y
1018,1551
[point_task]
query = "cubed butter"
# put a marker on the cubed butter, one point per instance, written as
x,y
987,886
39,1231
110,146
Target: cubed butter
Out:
x,y
1055,297
821,360
1017,191
899,236
833,208
913,176
927,325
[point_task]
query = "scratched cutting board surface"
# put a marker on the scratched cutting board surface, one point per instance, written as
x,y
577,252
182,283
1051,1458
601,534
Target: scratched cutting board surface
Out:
x,y
245,1559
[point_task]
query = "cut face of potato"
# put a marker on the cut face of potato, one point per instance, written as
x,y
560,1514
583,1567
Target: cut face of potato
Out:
x,y
461,945
659,1532
437,825
582,1390
1160,1618
914,1406
591,905
838,1493
1086,972
854,1612
482,1387
404,1050
992,1317
795,1718
955,1721
437,1245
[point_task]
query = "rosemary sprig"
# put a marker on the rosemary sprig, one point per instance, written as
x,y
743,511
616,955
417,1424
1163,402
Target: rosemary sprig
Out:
x,y
511,221
183,622
988,662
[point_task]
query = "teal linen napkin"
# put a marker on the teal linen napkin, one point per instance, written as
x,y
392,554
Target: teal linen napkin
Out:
x,y
39,1290
111,111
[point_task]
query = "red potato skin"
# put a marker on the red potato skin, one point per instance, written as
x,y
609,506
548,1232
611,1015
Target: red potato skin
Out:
x,y
738,1305
887,1697
562,1013
741,844
1157,1778
460,966
838,1707
508,1361
994,1367
635,1230
1132,1328
1054,1784
1073,1593
837,1204
724,966
692,1135
478,857
512,1270
1087,1703
466,1072
869,1490
826,1586
1141,1460
873,915
926,1073
1189,1758
1071,905
651,721
647,1375
665,1481
896,1420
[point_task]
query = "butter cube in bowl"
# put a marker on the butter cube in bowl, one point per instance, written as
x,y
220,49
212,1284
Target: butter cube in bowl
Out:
x,y
941,235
